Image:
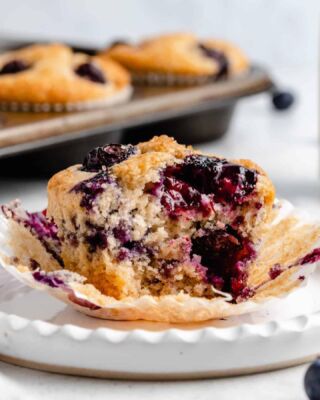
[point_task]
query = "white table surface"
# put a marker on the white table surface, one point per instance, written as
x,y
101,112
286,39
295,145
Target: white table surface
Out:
x,y
285,144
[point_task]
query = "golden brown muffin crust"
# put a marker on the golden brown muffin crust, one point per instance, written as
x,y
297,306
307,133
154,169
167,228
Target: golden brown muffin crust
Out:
x,y
51,77
177,54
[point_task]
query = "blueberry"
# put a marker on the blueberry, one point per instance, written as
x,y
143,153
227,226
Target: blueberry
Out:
x,y
13,67
224,252
122,233
282,100
312,380
91,72
219,57
107,156
184,187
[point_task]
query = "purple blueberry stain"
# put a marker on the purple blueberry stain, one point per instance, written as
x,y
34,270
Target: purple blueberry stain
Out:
x,y
310,258
48,279
275,271
225,254
217,281
199,268
96,238
122,233
83,302
42,226
91,188
14,67
46,231
91,72
123,254
34,265
37,223
246,293
134,248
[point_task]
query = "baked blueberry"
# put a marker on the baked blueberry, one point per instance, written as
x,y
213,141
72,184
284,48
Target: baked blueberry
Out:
x,y
91,188
13,67
217,56
105,157
92,72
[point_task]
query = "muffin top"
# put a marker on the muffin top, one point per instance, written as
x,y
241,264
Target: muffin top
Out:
x,y
135,166
181,54
53,73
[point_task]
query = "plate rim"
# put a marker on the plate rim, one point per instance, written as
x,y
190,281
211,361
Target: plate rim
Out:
x,y
265,330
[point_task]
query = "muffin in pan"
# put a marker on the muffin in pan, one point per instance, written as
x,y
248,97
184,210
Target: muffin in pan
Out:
x,y
160,232
179,58
52,77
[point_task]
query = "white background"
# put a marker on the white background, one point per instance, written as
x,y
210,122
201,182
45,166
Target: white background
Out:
x,y
277,32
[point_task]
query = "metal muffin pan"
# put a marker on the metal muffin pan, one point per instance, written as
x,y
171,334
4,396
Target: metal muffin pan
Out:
x,y
43,143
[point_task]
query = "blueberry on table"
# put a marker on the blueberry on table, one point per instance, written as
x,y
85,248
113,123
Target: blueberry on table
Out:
x,y
312,380
282,100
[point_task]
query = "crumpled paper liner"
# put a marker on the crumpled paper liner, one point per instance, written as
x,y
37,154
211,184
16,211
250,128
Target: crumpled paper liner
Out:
x,y
286,241
117,98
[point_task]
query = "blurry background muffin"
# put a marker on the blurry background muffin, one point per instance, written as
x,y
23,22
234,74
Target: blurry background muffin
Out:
x,y
179,58
53,75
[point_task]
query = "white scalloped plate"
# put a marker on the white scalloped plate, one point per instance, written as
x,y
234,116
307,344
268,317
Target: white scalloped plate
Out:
x,y
41,332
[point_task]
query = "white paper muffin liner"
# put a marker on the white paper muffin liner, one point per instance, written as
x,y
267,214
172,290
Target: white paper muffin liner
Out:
x,y
72,289
120,97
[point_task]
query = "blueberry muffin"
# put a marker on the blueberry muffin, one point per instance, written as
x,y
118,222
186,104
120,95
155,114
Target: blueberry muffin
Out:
x,y
161,232
159,218
179,58
49,75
